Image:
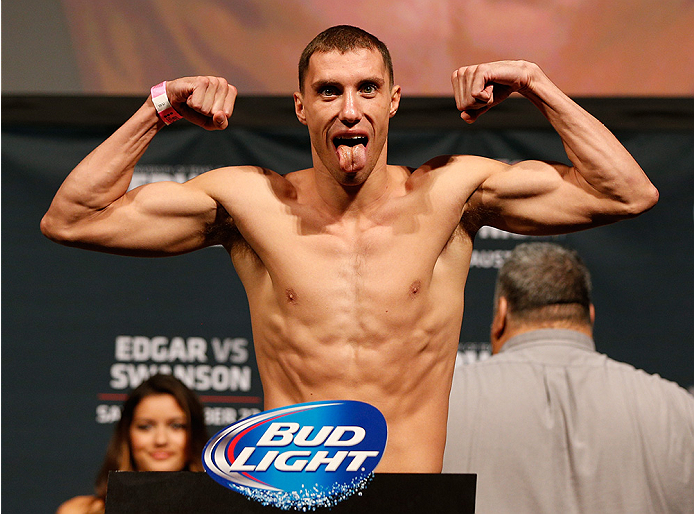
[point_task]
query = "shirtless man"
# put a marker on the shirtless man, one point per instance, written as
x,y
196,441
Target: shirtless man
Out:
x,y
354,269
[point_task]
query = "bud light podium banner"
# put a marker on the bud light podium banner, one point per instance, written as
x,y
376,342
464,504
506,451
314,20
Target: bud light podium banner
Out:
x,y
300,457
81,329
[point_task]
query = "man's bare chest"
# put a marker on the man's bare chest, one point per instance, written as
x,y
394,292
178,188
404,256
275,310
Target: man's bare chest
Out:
x,y
379,263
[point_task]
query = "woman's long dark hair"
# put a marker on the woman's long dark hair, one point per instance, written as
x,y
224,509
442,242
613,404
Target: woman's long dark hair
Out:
x,y
119,454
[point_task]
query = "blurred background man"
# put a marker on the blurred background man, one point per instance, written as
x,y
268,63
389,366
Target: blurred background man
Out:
x,y
551,425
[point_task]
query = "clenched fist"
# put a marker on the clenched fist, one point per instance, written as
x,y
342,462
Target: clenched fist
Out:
x,y
480,87
204,101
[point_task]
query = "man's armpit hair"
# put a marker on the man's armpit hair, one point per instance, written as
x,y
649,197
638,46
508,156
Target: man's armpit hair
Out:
x,y
223,230
474,219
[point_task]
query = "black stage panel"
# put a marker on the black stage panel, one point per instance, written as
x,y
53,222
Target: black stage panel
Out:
x,y
184,492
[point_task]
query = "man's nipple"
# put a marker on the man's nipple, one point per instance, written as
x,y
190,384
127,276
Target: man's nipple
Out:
x,y
415,288
291,296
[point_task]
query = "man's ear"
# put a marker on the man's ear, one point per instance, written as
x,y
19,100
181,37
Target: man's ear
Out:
x,y
394,100
591,310
299,107
499,324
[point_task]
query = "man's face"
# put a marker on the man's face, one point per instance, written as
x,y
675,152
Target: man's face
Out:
x,y
346,104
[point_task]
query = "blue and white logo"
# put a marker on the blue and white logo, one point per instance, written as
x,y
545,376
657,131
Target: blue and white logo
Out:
x,y
303,456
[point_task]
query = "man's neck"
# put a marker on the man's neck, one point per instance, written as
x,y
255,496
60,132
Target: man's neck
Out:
x,y
353,200
515,329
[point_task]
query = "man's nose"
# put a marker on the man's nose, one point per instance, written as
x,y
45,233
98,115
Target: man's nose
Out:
x,y
350,113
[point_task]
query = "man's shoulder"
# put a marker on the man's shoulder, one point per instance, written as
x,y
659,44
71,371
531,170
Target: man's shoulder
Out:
x,y
652,382
240,177
460,162
458,174
226,172
239,187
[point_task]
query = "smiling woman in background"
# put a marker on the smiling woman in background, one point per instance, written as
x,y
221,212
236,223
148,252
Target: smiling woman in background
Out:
x,y
161,429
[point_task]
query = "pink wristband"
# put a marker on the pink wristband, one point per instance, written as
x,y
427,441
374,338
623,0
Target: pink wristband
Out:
x,y
162,104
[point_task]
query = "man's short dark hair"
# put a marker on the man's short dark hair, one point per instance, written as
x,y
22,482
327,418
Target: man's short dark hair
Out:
x,y
545,282
343,38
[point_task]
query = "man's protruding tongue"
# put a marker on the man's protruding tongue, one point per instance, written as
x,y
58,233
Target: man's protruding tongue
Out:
x,y
352,158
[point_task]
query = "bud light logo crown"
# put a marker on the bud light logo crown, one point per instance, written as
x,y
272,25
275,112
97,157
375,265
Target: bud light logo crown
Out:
x,y
300,457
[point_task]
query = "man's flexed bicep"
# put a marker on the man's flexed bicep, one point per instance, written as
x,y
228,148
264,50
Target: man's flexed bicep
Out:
x,y
603,184
163,218
93,208
542,198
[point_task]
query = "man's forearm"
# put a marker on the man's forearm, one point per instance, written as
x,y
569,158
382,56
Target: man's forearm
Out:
x,y
104,175
596,154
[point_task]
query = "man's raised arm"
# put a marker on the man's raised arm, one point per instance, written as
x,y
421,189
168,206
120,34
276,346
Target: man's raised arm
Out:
x,y
605,183
93,208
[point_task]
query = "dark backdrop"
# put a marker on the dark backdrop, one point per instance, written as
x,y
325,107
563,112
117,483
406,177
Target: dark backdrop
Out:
x,y
80,329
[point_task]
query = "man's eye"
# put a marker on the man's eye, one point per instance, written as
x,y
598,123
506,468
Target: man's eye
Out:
x,y
328,91
369,89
